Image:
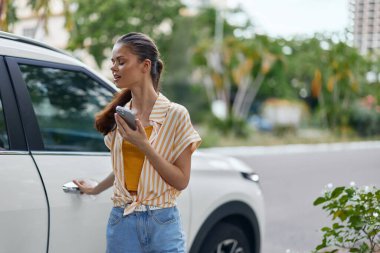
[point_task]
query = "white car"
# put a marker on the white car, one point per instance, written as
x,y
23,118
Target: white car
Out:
x,y
48,100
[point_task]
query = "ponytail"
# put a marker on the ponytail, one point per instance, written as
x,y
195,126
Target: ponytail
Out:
x,y
105,120
159,69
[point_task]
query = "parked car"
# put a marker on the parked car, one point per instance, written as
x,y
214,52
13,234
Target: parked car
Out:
x,y
48,100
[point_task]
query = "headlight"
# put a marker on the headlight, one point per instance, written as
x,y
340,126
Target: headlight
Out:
x,y
251,176
244,169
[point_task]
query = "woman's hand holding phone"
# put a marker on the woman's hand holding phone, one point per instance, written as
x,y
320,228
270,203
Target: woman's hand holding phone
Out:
x,y
135,136
128,116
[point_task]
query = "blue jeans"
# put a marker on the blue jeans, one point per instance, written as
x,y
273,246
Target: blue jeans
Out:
x,y
152,231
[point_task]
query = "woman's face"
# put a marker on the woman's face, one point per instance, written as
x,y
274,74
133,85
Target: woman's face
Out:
x,y
126,68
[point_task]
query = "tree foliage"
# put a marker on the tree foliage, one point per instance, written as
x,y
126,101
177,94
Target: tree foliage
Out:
x,y
96,23
329,75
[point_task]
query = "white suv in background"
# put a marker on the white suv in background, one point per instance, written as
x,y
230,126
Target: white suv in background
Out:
x,y
48,100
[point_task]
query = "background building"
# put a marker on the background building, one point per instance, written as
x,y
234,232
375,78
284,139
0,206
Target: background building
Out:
x,y
56,35
30,25
366,25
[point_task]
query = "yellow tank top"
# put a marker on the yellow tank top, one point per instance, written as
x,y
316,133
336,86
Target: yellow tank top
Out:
x,y
133,162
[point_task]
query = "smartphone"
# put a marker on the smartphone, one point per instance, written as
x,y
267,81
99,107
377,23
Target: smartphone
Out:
x,y
128,116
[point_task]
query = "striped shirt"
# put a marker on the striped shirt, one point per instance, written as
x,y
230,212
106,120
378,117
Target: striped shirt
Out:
x,y
172,134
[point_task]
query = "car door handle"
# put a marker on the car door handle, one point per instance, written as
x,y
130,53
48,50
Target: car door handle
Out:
x,y
70,187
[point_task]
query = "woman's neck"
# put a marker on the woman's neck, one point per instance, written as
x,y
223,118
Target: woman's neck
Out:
x,y
143,101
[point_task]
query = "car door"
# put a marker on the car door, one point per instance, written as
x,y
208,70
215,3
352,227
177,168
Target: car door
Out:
x,y
58,103
23,209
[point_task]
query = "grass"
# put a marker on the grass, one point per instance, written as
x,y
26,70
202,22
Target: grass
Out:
x,y
213,138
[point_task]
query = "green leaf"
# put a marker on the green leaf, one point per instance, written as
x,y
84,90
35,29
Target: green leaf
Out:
x,y
350,192
341,214
378,195
326,229
354,250
373,232
364,247
356,221
319,201
336,226
320,246
337,191
343,200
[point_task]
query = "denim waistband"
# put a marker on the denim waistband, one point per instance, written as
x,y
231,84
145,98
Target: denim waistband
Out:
x,y
142,208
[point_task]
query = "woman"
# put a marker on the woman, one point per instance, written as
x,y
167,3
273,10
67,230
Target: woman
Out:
x,y
151,165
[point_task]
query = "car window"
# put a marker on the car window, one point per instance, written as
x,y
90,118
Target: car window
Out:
x,y
4,144
65,103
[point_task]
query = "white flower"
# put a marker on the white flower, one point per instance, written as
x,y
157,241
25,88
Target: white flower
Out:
x,y
366,188
375,215
355,197
352,183
330,185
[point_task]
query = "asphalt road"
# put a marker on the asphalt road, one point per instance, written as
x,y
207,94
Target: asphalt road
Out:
x,y
291,181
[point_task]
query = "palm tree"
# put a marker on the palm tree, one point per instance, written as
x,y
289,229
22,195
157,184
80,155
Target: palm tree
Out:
x,y
40,8
242,65
345,69
7,15
333,73
260,56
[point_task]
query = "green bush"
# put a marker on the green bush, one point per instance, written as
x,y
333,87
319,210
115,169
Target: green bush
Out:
x,y
365,118
356,215
230,125
284,130
210,138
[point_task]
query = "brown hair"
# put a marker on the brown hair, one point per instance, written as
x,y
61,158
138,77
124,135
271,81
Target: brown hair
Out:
x,y
145,48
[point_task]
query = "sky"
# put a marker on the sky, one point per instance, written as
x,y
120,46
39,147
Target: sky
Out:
x,y
294,17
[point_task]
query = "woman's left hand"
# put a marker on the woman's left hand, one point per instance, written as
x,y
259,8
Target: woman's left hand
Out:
x,y
136,137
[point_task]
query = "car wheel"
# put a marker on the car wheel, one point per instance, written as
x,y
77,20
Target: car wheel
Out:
x,y
225,238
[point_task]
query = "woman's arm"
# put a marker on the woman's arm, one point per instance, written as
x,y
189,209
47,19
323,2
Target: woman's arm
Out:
x,y
89,189
177,174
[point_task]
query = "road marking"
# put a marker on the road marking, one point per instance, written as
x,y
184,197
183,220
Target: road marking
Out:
x,y
293,148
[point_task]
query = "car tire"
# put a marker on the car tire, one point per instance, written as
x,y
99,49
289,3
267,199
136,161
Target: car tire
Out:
x,y
227,238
